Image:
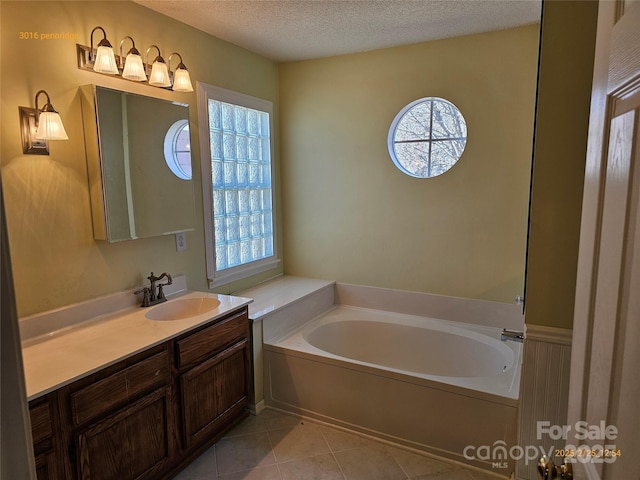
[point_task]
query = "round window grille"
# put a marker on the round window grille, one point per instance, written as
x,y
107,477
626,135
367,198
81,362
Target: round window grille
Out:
x,y
177,149
427,137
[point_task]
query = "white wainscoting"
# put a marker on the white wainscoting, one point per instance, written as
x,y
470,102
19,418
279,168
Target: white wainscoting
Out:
x,y
544,391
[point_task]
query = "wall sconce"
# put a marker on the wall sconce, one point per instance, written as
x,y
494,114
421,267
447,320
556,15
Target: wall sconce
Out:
x,y
159,76
105,60
133,67
181,78
39,125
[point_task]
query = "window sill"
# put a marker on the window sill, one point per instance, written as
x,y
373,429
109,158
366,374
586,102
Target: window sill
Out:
x,y
239,274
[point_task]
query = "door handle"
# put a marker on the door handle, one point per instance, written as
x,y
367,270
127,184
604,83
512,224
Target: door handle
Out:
x,y
548,470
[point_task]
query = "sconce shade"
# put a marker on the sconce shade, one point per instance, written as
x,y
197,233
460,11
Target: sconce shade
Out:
x,y
182,81
133,68
50,127
105,60
159,74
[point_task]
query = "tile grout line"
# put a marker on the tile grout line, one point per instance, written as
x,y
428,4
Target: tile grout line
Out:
x,y
330,450
215,454
273,451
333,454
397,462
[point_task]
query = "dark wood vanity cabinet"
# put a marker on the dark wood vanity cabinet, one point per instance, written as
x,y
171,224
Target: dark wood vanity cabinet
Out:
x,y
215,372
147,416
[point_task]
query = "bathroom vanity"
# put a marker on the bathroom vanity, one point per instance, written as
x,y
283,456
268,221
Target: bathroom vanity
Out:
x,y
148,414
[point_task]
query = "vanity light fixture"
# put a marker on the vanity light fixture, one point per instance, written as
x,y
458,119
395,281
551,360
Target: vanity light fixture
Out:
x,y
105,59
133,67
159,76
181,78
40,125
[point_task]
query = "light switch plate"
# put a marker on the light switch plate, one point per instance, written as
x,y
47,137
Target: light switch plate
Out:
x,y
181,241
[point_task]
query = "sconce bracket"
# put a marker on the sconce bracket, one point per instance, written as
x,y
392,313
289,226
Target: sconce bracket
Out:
x,y
30,144
83,53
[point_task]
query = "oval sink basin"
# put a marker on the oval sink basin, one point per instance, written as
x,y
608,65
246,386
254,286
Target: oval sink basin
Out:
x,y
182,308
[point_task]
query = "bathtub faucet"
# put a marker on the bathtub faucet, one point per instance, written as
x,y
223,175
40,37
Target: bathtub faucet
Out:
x,y
511,335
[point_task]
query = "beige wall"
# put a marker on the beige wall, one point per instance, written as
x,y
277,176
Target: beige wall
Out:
x,y
345,204
56,262
351,215
566,71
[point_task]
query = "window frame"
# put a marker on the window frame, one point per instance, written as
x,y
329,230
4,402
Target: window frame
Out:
x,y
391,141
222,277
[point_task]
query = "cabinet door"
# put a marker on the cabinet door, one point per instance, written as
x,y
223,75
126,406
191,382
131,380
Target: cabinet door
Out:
x,y
133,443
214,393
45,442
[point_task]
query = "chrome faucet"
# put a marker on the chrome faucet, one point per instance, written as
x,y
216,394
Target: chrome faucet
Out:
x,y
153,295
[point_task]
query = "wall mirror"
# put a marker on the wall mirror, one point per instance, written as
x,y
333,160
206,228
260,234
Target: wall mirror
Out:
x,y
139,164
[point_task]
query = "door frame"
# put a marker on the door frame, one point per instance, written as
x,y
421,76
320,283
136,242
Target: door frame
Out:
x,y
588,365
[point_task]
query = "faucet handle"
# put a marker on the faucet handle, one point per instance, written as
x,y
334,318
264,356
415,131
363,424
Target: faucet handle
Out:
x,y
145,296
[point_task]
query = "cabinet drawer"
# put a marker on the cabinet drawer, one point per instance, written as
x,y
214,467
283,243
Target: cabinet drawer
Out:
x,y
120,388
41,428
200,345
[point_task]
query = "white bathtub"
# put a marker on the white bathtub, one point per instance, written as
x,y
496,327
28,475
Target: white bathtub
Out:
x,y
469,356
435,385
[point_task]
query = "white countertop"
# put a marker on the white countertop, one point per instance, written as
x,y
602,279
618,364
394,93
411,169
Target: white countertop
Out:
x,y
272,295
51,363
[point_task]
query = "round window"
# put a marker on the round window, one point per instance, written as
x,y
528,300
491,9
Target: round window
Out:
x,y
177,149
427,137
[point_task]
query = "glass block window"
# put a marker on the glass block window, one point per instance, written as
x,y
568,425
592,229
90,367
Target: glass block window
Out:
x,y
241,236
241,175
427,137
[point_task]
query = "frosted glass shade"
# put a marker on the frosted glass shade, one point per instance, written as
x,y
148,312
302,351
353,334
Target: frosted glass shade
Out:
x,y
133,68
159,75
50,127
105,61
182,81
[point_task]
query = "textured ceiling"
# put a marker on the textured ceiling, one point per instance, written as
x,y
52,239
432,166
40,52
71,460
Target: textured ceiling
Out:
x,y
287,30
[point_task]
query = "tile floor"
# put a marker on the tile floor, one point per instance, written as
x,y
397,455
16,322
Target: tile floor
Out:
x,y
277,446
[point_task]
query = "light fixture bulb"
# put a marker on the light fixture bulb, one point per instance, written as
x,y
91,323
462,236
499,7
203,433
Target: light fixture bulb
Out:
x,y
133,68
182,81
159,74
50,127
105,60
